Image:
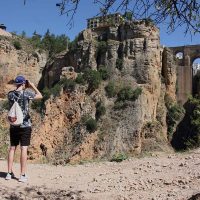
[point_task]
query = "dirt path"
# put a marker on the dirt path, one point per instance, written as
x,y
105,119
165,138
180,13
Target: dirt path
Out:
x,y
172,177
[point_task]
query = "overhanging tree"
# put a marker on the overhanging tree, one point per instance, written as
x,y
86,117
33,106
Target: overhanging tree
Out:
x,y
174,12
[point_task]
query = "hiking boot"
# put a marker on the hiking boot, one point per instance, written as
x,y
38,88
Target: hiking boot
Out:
x,y
23,178
9,176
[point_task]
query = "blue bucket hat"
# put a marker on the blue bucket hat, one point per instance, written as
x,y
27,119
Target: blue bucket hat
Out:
x,y
20,80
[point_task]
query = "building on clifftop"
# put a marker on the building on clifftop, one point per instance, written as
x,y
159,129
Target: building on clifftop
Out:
x,y
104,21
3,27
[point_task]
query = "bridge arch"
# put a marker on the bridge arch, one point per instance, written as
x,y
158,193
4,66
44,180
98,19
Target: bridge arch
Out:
x,y
179,55
185,68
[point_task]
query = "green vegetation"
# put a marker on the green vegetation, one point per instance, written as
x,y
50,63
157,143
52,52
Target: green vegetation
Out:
x,y
68,84
102,47
80,79
55,91
111,90
120,105
17,45
127,93
149,22
73,45
100,110
119,64
119,157
128,15
49,42
124,95
103,72
23,34
93,79
174,113
91,124
194,140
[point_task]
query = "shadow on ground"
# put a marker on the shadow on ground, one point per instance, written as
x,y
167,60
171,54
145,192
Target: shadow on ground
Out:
x,y
39,193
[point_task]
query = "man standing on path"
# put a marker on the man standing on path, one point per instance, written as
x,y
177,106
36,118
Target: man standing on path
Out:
x,y
24,92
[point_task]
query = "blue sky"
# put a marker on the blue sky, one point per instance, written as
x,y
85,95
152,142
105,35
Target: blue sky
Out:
x,y
41,15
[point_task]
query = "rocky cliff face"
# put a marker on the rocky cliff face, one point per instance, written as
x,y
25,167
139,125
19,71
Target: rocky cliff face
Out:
x,y
133,56
24,61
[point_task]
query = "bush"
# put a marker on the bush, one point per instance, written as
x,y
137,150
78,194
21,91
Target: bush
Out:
x,y
148,21
119,157
194,139
68,84
127,93
136,93
100,110
46,93
55,91
91,125
102,47
38,105
93,79
103,72
80,79
120,105
174,114
119,64
111,90
73,45
17,45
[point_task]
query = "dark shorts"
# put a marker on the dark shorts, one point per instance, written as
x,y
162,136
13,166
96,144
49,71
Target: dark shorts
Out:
x,y
20,136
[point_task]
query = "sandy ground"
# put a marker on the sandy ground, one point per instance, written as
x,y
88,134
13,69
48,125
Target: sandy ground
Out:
x,y
166,177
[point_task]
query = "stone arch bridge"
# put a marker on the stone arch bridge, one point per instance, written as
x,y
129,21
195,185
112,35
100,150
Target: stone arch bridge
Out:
x,y
185,80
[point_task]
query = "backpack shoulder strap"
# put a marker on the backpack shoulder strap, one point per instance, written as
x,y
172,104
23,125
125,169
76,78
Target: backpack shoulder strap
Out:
x,y
13,96
23,100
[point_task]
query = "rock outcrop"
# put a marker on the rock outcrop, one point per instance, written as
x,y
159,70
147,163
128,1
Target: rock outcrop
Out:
x,y
134,57
25,61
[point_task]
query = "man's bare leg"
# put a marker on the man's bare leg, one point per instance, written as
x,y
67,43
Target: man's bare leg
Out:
x,y
11,158
23,159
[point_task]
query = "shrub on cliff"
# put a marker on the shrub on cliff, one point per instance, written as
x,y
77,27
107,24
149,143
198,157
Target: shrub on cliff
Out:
x,y
100,110
119,64
174,114
93,79
80,79
73,45
17,45
103,72
119,157
102,47
193,140
127,93
67,84
110,90
91,125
